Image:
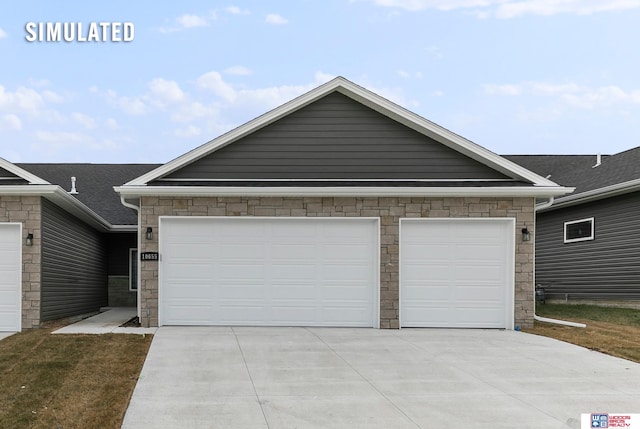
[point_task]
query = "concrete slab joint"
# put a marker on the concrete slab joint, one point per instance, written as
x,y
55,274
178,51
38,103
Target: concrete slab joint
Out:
x,y
390,210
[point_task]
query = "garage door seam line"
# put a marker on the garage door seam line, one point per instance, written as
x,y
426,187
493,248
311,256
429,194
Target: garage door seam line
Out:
x,y
393,404
264,416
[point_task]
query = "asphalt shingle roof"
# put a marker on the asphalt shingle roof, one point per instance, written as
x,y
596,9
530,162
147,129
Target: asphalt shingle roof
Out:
x,y
579,171
94,183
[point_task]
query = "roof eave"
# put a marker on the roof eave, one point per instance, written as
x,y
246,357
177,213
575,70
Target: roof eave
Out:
x,y
595,194
352,191
61,198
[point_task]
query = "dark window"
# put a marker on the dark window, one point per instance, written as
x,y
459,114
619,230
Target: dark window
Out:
x,y
579,230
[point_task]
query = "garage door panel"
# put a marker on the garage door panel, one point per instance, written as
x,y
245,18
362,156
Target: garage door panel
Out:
x,y
456,273
294,271
475,271
293,291
428,271
10,277
338,293
285,273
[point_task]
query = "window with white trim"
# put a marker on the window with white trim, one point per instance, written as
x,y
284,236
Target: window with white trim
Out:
x,y
579,230
133,269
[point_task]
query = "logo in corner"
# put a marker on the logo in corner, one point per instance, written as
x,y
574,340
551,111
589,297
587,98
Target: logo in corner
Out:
x,y
600,420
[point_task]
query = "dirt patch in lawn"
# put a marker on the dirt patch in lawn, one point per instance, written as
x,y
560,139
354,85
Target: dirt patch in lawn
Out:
x,y
68,381
614,331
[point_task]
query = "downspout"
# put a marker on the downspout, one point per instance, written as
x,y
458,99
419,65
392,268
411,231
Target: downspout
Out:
x,y
139,243
546,319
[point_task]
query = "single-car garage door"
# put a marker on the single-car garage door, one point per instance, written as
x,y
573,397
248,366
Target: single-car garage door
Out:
x,y
457,273
268,271
10,277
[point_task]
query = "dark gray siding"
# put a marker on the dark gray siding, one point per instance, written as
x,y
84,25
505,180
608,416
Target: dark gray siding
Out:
x,y
336,138
74,278
607,267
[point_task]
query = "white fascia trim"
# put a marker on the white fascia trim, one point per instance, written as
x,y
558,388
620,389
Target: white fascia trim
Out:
x,y
22,173
124,228
62,198
352,191
595,194
370,99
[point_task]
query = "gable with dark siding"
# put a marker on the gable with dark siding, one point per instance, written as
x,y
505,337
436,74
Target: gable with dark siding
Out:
x,y
335,138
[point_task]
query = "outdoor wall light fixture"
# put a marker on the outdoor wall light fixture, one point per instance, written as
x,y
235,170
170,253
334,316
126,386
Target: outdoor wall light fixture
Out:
x,y
29,239
149,233
526,235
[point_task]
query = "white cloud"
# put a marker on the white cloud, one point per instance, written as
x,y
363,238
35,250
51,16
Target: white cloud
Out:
x,y
166,91
85,120
237,11
213,81
64,137
112,124
408,75
52,97
10,122
188,132
187,21
238,71
39,83
505,9
3,34
194,110
263,97
569,94
132,105
275,19
190,21
552,7
507,89
437,93
23,99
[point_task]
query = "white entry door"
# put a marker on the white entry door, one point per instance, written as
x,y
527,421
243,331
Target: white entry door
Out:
x,y
457,273
268,271
10,277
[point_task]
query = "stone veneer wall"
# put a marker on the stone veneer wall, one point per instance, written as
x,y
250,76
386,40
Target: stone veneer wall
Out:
x,y
27,210
389,209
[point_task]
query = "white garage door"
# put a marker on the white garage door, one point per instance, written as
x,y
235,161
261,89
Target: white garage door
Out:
x,y
457,273
268,271
10,277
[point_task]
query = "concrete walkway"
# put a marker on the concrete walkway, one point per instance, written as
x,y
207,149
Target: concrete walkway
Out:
x,y
4,335
107,322
281,378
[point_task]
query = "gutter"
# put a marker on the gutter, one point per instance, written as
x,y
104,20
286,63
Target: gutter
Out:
x,y
538,207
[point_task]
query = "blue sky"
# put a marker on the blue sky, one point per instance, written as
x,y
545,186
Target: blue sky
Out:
x,y
515,76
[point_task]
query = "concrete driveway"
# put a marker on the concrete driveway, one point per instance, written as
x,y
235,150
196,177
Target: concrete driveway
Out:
x,y
221,377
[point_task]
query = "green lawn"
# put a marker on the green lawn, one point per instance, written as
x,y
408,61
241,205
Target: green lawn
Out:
x,y
68,381
611,330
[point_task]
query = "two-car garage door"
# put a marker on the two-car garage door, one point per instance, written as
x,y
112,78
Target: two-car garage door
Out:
x,y
324,272
10,277
269,271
